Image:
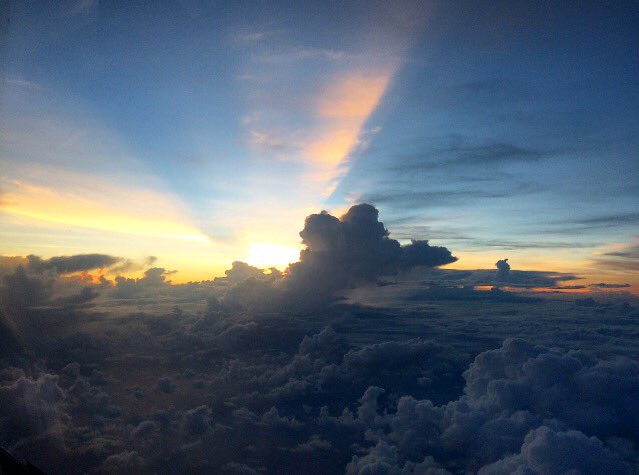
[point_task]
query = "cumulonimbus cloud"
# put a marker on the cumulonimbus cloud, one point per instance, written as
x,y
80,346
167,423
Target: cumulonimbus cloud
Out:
x,y
356,248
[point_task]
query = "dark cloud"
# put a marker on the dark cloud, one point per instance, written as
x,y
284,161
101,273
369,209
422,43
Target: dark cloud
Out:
x,y
166,385
127,461
469,155
354,249
420,253
511,278
620,219
549,451
71,264
503,269
83,297
604,285
519,398
154,278
32,418
405,198
20,291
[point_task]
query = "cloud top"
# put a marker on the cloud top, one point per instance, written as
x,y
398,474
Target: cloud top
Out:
x,y
356,248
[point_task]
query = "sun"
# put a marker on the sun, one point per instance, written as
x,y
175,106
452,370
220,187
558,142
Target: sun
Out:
x,y
265,255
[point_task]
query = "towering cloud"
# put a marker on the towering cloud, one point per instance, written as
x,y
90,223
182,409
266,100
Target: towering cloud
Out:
x,y
503,269
355,248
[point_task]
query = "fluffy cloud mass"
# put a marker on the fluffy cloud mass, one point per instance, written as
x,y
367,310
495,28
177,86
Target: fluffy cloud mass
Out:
x,y
354,249
330,365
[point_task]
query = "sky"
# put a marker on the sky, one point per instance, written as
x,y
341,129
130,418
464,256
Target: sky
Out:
x,y
360,237
203,133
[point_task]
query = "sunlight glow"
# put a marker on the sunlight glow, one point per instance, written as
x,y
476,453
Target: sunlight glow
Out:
x,y
264,255
136,212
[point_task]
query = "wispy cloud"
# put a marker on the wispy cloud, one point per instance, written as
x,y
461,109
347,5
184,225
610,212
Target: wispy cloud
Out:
x,y
21,83
622,259
479,155
615,219
408,199
80,7
303,53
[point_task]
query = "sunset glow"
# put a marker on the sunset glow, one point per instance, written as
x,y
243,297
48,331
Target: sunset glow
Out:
x,y
279,237
270,255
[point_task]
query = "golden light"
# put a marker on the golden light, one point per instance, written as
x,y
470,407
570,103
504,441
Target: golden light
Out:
x,y
264,255
131,211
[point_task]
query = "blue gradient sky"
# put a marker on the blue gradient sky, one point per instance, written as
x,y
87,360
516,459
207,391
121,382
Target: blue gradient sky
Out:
x,y
196,131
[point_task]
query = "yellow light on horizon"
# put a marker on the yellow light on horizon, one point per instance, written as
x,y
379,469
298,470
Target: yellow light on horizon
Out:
x,y
129,211
265,255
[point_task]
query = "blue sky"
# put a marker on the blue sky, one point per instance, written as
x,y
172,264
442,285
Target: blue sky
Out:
x,y
194,131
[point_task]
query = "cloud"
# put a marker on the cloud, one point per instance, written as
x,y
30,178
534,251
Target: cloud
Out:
x,y
526,244
503,269
354,249
339,253
445,197
36,415
383,459
518,396
604,221
80,7
127,461
490,154
624,260
420,253
153,279
20,291
71,264
348,388
22,83
86,295
272,369
548,451
241,271
165,384
605,285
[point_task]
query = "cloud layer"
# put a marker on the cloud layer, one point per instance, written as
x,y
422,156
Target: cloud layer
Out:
x,y
413,370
